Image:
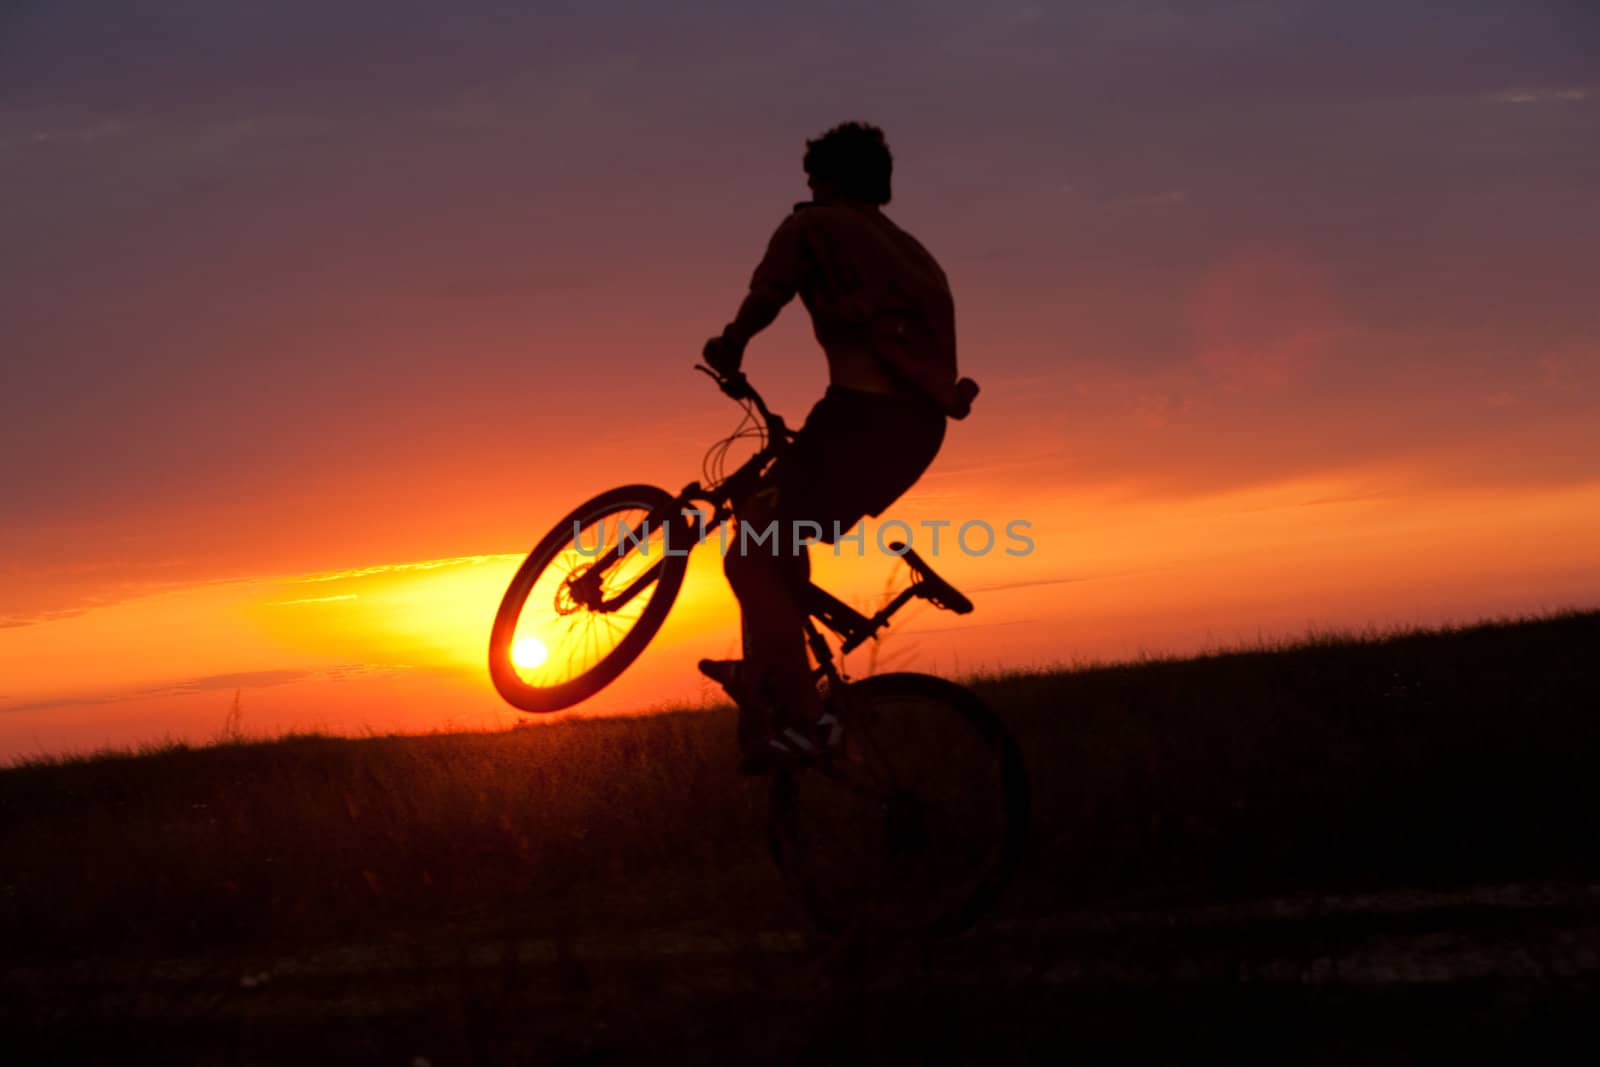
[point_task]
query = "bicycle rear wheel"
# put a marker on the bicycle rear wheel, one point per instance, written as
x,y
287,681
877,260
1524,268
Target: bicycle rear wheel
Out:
x,y
914,822
576,615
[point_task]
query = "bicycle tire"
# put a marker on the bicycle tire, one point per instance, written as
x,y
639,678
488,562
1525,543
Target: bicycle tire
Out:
x,y
555,551
832,832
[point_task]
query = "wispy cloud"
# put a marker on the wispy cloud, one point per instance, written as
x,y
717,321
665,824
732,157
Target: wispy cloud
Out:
x,y
1125,198
394,568
1347,498
206,684
1164,198
143,590
312,600
1541,96
77,134
8,622
1063,580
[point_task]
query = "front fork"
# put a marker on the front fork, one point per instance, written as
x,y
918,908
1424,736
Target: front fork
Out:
x,y
588,588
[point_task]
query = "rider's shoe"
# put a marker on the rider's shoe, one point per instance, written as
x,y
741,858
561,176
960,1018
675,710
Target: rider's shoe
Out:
x,y
725,672
730,674
784,749
768,743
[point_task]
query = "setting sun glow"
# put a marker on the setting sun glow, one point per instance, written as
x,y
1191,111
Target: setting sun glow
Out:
x,y
528,653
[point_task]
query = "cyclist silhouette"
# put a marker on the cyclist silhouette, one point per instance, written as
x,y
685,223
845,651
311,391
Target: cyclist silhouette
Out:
x,y
882,310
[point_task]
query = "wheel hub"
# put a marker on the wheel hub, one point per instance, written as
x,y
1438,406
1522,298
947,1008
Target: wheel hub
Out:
x,y
905,827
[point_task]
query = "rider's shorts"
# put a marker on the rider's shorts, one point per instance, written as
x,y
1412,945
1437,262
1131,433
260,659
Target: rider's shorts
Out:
x,y
855,455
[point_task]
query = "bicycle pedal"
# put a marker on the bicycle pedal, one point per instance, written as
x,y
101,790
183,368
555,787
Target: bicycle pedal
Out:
x,y
780,754
793,743
831,729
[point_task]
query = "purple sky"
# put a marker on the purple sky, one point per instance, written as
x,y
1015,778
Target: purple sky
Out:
x,y
277,276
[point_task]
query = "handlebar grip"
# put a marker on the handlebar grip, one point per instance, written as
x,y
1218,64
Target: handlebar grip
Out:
x,y
733,384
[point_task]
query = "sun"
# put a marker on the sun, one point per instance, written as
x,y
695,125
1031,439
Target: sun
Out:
x,y
528,653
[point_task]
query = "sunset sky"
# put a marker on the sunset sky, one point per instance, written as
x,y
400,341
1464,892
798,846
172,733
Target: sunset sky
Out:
x,y
316,316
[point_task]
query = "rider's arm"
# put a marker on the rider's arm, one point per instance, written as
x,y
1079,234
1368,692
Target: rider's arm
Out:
x,y
774,284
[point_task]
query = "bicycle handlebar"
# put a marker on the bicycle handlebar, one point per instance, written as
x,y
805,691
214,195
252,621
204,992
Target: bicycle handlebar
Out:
x,y
735,385
738,387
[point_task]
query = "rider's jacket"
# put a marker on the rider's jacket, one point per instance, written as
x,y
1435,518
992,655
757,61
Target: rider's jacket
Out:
x,y
880,303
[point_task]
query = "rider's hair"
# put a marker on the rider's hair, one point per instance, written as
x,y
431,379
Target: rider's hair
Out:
x,y
855,159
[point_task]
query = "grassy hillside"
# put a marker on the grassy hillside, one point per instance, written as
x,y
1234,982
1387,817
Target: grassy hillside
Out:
x,y
1424,758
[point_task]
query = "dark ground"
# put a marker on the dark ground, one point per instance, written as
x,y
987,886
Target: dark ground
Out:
x,y
1379,851
1467,976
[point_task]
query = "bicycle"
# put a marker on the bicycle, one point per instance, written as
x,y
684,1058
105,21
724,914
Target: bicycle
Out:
x,y
915,813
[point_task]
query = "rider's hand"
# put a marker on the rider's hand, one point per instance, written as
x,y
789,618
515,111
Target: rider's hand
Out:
x,y
723,355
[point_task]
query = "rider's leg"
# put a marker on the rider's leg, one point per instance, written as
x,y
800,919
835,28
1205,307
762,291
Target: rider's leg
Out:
x,y
768,580
854,456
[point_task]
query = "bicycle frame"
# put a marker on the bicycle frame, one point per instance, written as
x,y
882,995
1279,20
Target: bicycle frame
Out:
x,y
851,627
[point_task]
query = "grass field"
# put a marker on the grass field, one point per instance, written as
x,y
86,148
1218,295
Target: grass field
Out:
x,y
1342,764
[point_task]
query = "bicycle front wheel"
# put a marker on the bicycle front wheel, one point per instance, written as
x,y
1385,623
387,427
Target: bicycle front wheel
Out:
x,y
577,613
914,822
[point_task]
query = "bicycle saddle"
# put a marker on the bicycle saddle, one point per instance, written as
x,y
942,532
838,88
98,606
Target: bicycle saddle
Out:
x,y
928,585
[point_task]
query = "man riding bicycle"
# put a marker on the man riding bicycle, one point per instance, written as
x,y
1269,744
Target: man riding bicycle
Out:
x,y
882,311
